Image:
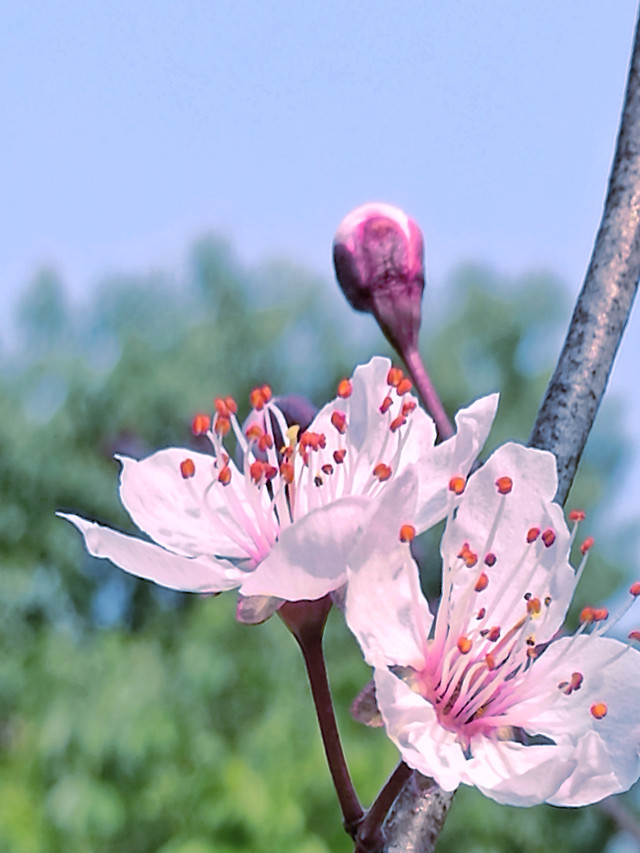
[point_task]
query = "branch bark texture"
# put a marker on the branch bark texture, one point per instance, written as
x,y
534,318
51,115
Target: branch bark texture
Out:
x,y
572,398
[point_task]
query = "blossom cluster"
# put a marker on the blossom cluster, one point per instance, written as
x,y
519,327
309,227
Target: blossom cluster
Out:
x,y
490,691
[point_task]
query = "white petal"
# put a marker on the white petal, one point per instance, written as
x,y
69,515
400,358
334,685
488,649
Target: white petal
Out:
x,y
310,558
606,751
520,567
149,561
412,725
188,516
385,608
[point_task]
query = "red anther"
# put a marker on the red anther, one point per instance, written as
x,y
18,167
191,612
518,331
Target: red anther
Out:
x,y
634,589
313,440
490,559
532,652
490,661
548,537
504,485
327,469
200,424
394,377
457,484
532,534
231,404
265,442
482,582
345,388
494,634
386,405
338,456
224,476
222,425
600,614
576,680
464,645
187,468
587,545
407,407
598,710
287,472
317,480
382,472
221,407
404,386
255,470
634,635
339,421
481,613
577,515
259,397
469,556
534,607
407,533
396,423
565,687
587,615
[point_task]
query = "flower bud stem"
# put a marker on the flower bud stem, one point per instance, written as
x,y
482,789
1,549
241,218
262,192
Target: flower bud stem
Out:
x,y
428,394
309,638
369,836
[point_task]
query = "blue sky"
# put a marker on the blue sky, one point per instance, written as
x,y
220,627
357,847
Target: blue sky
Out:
x,y
129,128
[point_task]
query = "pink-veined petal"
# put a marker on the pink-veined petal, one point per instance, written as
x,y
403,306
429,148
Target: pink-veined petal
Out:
x,y
190,516
310,558
150,561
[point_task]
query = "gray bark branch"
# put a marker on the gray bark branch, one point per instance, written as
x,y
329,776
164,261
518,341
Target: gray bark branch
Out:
x,y
572,398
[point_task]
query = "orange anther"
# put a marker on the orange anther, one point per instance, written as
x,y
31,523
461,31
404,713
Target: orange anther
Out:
x,y
407,533
394,377
464,645
265,442
599,710
224,476
490,661
259,397
260,471
534,606
287,472
408,406
494,634
587,545
469,556
587,615
382,472
634,635
254,431
222,425
386,405
634,589
600,614
200,423
504,485
221,407
396,423
482,582
457,484
548,537
532,534
490,559
577,515
187,468
345,388
231,404
404,386
338,456
339,421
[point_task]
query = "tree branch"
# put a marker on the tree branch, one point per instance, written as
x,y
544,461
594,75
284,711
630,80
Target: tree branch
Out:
x,y
572,398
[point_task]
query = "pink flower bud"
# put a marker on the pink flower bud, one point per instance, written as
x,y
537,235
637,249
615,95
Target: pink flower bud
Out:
x,y
378,258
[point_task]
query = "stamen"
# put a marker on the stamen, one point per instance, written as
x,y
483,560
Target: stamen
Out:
x,y
464,645
382,472
504,485
407,407
394,377
482,582
532,534
386,405
200,424
534,607
338,456
490,559
548,537
634,589
222,425
598,710
287,472
397,422
339,421
187,468
407,533
587,545
634,635
457,484
224,476
404,386
577,515
259,397
344,388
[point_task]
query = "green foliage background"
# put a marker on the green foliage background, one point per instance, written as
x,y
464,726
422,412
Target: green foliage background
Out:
x,y
137,720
